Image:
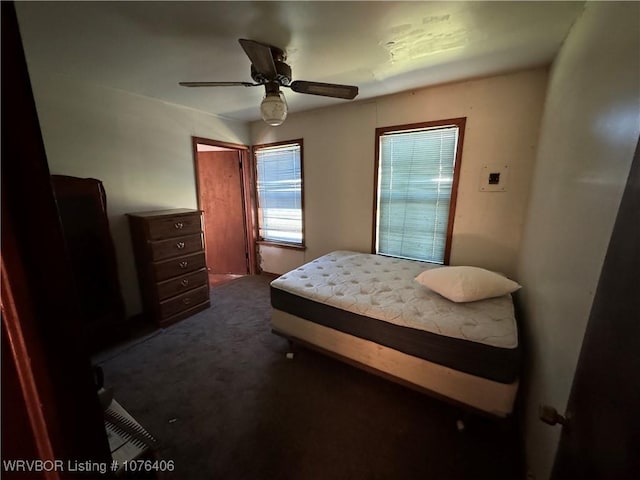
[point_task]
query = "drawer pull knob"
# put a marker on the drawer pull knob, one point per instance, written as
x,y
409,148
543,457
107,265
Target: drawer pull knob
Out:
x,y
178,225
184,264
186,301
180,245
185,282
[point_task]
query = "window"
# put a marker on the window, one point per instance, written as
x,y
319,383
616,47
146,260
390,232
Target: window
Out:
x,y
279,192
417,177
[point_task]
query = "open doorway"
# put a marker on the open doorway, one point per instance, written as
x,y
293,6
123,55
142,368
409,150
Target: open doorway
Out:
x,y
223,183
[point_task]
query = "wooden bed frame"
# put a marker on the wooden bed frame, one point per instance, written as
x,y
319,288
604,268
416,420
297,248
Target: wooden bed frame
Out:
x,y
470,392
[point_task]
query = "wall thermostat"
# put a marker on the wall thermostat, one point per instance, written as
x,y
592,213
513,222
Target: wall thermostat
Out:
x,y
493,178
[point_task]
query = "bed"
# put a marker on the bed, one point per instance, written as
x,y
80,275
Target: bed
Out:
x,y
370,311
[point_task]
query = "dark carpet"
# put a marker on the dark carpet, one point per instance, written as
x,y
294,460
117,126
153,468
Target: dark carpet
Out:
x,y
218,393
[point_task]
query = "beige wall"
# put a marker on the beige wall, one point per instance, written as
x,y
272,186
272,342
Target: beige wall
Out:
x,y
588,136
138,147
503,116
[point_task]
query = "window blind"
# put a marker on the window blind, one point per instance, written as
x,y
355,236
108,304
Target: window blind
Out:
x,y
416,170
279,185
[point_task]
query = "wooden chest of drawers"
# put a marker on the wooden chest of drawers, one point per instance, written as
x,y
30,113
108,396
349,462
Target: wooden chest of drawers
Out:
x,y
169,251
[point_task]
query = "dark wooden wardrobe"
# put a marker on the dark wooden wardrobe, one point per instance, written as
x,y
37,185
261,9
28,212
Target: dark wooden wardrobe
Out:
x,y
82,206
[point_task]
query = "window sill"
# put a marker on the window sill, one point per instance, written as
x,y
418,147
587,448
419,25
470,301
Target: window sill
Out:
x,y
292,246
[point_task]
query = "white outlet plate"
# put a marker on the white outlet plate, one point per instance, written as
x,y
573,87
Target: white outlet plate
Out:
x,y
494,177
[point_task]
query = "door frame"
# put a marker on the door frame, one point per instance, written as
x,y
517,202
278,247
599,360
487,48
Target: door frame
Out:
x,y
54,411
610,345
248,198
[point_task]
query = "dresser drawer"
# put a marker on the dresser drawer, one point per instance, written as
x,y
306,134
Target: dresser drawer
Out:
x,y
169,249
184,301
175,225
174,247
178,266
172,287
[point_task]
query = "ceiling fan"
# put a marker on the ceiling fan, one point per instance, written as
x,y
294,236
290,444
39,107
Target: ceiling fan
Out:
x,y
268,68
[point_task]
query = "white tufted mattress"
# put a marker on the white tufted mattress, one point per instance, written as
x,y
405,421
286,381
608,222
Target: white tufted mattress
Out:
x,y
376,298
384,288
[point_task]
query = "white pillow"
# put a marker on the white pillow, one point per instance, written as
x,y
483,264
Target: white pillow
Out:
x,y
466,284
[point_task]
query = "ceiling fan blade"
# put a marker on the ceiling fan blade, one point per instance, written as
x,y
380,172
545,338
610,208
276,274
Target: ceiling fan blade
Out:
x,y
261,57
348,92
218,84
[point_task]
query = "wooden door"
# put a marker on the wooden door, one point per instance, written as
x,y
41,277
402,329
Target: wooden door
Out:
x,y
221,197
50,407
602,439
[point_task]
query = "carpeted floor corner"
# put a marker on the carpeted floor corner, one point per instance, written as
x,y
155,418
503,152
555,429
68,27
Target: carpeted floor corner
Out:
x,y
218,393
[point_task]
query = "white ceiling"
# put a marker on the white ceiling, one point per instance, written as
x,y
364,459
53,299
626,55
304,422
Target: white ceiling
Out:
x,y
383,47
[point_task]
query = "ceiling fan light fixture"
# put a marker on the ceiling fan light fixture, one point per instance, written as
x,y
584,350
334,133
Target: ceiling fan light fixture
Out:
x,y
268,68
273,108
